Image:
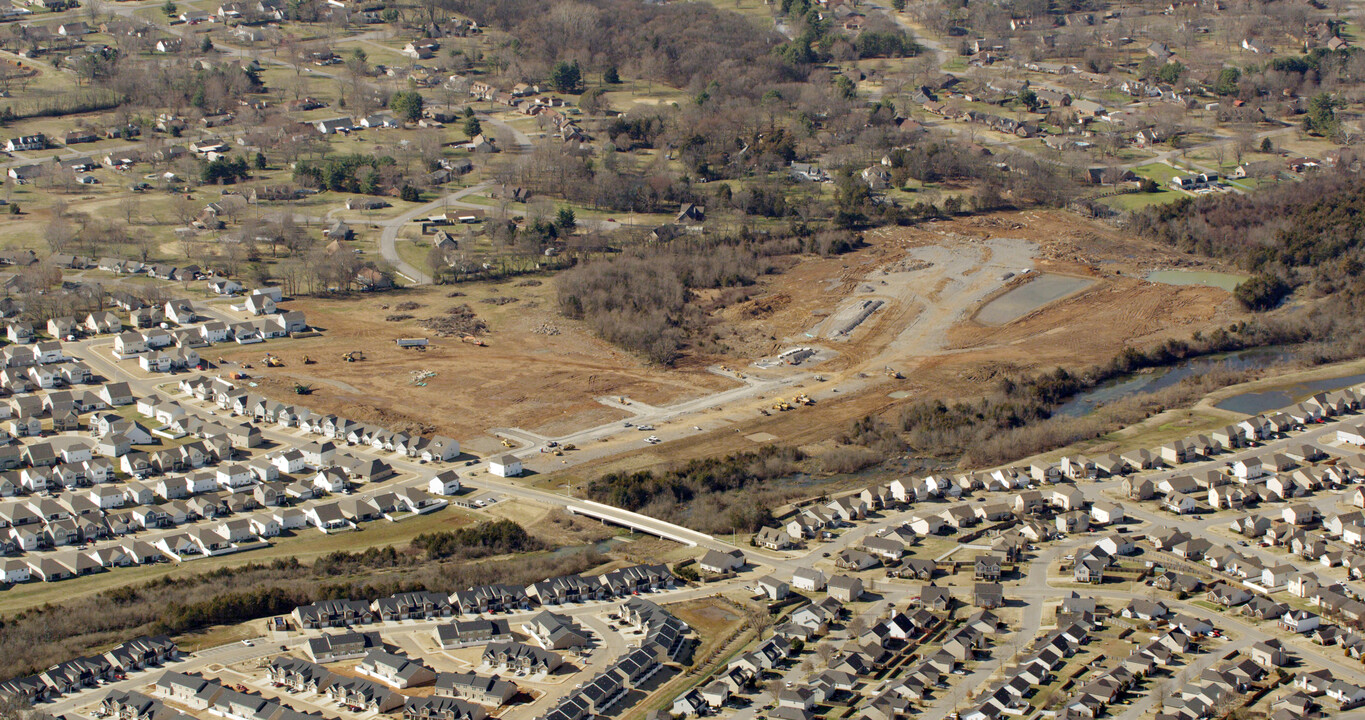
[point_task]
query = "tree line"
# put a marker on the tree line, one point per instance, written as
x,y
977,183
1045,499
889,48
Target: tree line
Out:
x,y
725,494
1309,235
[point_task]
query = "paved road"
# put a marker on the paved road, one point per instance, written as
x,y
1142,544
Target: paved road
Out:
x,y
388,238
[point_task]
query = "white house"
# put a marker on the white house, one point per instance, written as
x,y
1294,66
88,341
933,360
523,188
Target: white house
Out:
x,y
1300,621
1277,576
441,448
127,344
333,480
233,476
15,571
289,461
1352,434
180,312
271,291
505,466
446,483
808,580
259,305
1248,468
1105,513
155,362
290,518
1116,545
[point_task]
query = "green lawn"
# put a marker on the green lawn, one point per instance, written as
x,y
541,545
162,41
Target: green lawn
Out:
x,y
414,252
1139,200
1160,172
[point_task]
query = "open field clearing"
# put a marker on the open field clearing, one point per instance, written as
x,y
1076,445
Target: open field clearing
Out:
x,y
547,375
522,378
932,282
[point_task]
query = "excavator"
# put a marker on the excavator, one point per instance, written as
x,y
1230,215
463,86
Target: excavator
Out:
x,y
353,356
506,442
308,361
301,389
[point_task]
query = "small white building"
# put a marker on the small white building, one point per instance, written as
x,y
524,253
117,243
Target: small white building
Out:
x,y
446,483
505,466
808,580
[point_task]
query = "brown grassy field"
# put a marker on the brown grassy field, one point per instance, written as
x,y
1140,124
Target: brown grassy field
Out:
x,y
542,382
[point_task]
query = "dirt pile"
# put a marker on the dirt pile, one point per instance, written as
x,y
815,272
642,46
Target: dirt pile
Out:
x,y
458,321
764,306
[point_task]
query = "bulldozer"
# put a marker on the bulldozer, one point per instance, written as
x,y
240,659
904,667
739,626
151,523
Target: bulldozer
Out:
x,y
506,442
308,361
272,361
782,406
301,389
473,341
353,356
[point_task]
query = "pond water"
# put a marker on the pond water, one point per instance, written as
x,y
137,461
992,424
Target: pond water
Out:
x,y
1160,378
1030,296
1255,403
1226,281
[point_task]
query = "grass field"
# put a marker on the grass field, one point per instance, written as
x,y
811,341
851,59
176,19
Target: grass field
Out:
x,y
1139,200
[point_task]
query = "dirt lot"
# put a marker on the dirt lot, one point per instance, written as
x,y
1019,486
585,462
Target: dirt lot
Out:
x,y
932,280
541,382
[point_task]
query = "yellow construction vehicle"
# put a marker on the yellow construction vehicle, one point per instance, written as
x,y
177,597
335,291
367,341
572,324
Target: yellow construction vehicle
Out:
x,y
782,406
571,446
272,361
308,361
353,356
506,442
558,451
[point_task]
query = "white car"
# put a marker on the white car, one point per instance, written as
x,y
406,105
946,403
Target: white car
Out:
x,y
653,440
